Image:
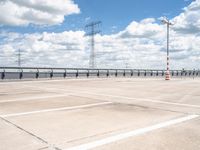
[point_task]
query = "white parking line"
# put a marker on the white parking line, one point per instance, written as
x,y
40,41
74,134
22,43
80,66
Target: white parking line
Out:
x,y
29,81
125,97
133,133
33,98
145,100
49,80
56,109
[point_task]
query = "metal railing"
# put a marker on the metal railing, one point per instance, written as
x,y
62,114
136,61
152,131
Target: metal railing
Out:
x,y
36,73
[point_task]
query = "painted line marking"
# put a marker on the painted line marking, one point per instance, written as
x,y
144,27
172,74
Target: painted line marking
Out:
x,y
145,100
47,80
34,98
13,93
56,109
124,97
17,81
133,133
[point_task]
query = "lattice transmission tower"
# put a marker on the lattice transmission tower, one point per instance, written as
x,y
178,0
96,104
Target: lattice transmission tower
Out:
x,y
93,29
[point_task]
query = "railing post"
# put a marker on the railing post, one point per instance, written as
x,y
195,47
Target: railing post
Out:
x,y
37,74
21,74
65,74
124,74
98,73
107,73
3,74
163,73
138,73
145,73
88,73
77,73
51,74
116,73
131,73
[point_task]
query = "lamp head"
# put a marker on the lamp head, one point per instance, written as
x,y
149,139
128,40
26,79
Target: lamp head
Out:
x,y
164,20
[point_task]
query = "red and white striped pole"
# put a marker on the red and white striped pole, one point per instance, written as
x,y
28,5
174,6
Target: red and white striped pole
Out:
x,y
167,77
166,21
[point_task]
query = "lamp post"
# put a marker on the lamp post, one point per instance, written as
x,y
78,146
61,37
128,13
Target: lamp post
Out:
x,y
168,23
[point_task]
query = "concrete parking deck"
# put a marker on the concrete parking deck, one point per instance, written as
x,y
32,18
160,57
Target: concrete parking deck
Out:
x,y
102,114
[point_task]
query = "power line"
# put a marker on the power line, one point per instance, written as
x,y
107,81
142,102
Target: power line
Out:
x,y
92,32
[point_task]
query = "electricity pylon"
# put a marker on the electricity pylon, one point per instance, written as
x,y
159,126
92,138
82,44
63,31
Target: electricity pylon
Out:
x,y
92,27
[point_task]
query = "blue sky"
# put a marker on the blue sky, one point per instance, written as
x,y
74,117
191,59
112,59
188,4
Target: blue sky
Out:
x,y
120,13
115,14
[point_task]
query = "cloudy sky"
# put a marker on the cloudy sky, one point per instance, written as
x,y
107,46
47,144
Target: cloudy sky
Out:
x,y
51,33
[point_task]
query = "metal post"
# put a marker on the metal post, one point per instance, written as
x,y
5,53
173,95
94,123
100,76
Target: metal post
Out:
x,y
168,71
107,73
98,74
131,73
77,73
51,74
37,74
65,74
21,74
3,75
88,73
166,21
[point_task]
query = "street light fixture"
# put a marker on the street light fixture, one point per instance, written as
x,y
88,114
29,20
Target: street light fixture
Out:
x,y
168,23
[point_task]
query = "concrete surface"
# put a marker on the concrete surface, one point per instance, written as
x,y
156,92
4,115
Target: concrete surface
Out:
x,y
102,114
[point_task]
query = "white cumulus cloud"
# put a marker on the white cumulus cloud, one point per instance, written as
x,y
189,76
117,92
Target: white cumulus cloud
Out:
x,y
39,12
188,22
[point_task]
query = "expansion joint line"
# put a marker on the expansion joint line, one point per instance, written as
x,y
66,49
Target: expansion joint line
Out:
x,y
29,133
